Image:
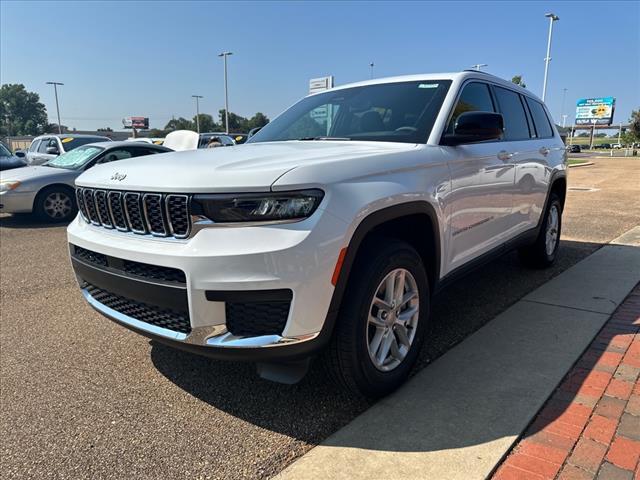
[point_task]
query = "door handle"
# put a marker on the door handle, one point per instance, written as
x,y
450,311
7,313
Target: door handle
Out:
x,y
504,155
544,151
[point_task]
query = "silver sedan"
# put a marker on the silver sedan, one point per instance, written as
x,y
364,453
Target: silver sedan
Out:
x,y
48,190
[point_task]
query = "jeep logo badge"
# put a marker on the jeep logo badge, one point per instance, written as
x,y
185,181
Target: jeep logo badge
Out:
x,y
118,176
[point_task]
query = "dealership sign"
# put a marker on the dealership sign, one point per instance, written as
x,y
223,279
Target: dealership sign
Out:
x,y
595,111
139,123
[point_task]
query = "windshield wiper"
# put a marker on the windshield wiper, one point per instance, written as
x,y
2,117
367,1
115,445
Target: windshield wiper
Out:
x,y
323,138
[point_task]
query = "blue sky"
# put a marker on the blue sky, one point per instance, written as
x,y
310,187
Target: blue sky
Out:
x,y
147,58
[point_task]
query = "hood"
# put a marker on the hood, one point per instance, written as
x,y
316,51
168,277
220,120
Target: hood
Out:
x,y
36,173
242,168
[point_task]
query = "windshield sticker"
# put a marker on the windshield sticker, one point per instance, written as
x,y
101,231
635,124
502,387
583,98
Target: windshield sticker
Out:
x,y
428,85
67,140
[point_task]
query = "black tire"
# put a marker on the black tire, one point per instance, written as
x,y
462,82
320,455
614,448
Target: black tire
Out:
x,y
347,356
536,255
55,204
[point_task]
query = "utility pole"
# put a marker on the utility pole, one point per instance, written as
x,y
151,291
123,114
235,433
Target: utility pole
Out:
x,y
620,134
197,97
224,55
55,89
478,66
564,95
372,65
552,18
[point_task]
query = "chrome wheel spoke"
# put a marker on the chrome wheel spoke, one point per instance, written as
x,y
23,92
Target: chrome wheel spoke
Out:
x,y
403,336
393,318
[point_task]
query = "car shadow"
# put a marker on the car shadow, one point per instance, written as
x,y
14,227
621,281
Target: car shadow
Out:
x,y
313,409
26,220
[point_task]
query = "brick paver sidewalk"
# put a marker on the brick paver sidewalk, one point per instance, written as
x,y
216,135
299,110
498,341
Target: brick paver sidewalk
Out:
x,y
590,426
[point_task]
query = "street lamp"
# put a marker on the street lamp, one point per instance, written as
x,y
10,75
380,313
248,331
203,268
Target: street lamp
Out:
x,y
197,97
55,89
372,65
552,18
224,55
478,66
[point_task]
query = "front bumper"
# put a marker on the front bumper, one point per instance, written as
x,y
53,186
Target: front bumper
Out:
x,y
16,202
222,264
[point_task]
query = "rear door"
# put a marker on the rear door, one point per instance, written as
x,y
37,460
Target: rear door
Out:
x,y
482,179
525,158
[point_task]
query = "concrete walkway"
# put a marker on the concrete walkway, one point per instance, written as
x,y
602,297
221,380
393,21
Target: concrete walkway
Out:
x,y
458,417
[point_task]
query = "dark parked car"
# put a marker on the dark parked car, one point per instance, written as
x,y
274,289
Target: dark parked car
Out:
x,y
8,160
574,149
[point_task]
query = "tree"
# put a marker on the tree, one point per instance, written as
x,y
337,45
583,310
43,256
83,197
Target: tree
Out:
x,y
258,120
517,79
21,112
105,129
180,124
237,124
634,124
206,123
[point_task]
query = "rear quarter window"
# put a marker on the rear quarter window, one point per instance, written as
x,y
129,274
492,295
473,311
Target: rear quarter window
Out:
x,y
540,119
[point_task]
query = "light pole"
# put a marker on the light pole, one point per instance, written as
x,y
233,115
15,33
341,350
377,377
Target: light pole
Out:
x,y
197,97
372,65
55,89
478,66
564,95
224,55
564,120
552,18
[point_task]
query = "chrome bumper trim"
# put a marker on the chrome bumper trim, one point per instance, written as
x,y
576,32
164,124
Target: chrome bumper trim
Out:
x,y
214,336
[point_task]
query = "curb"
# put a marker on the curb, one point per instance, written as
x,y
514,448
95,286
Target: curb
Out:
x,y
583,164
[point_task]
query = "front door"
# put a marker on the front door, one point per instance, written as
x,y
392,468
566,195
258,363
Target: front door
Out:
x,y
482,180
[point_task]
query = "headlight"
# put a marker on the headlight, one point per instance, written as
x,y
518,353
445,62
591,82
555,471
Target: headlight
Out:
x,y
257,207
7,185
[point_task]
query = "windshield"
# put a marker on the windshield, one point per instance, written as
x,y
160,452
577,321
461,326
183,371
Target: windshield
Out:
x,y
388,112
4,152
75,159
69,143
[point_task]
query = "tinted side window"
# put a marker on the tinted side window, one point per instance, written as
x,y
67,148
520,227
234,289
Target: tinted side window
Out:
x,y
475,97
540,119
515,118
34,145
43,145
114,155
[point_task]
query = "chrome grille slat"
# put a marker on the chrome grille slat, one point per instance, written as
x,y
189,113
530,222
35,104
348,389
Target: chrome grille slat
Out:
x,y
133,211
178,217
158,214
100,197
90,204
117,211
152,205
81,205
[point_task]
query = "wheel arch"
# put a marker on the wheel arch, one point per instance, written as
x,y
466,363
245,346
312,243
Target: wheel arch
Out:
x,y
62,186
398,221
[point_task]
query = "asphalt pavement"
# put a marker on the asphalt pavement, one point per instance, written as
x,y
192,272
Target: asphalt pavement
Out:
x,y
84,398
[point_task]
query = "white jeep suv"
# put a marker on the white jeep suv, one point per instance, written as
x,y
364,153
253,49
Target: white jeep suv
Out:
x,y
330,230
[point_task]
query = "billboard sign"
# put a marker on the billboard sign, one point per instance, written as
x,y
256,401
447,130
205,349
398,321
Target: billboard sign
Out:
x,y
320,84
139,123
598,111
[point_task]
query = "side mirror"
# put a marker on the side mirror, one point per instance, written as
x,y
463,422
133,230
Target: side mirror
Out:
x,y
472,127
53,151
253,131
20,153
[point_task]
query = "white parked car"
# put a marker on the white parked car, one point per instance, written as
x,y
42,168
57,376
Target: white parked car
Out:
x,y
330,229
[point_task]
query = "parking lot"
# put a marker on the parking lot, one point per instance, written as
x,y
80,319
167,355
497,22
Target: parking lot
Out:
x,y
85,398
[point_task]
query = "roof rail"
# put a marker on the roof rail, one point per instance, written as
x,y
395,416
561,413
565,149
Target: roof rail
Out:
x,y
477,71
